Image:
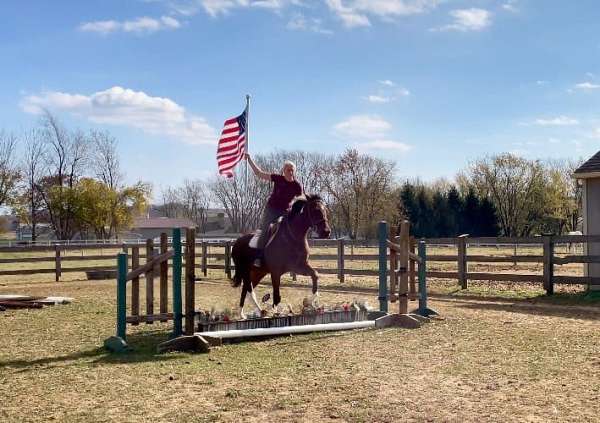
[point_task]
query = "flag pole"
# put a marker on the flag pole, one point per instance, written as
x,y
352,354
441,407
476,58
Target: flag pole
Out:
x,y
246,146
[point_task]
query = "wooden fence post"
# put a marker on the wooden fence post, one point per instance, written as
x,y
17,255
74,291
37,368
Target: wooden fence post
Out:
x,y
228,259
190,276
57,262
462,262
164,276
403,267
149,279
204,259
382,232
341,260
177,326
548,274
412,293
135,283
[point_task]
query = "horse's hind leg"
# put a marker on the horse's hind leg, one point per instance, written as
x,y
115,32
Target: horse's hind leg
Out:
x,y
245,283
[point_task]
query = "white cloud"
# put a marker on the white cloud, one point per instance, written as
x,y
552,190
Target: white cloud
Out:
x,y
128,108
587,86
378,99
300,23
362,126
354,13
541,82
510,6
387,93
368,133
466,20
370,146
138,25
557,121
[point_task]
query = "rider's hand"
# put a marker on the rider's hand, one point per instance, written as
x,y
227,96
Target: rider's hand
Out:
x,y
246,156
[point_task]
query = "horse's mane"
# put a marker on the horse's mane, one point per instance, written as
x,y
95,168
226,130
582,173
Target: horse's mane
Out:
x,y
300,201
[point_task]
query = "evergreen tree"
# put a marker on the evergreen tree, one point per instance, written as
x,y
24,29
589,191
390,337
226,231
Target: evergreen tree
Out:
x,y
408,207
488,219
424,223
455,212
471,215
441,217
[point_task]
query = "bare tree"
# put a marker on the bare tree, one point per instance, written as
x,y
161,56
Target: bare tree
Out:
x,y
33,171
242,198
66,156
105,160
9,172
361,192
515,186
170,202
195,199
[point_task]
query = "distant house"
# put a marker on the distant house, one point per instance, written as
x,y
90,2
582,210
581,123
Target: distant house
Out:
x,y
145,228
589,174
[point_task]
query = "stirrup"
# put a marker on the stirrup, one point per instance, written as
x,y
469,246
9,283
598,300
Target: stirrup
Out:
x,y
257,262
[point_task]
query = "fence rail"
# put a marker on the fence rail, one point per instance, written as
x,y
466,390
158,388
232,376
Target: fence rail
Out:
x,y
340,258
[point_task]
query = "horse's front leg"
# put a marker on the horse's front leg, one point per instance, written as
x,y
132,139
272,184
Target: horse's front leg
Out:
x,y
307,270
276,281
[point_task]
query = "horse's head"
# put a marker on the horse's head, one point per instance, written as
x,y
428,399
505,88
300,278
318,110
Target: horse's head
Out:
x,y
316,214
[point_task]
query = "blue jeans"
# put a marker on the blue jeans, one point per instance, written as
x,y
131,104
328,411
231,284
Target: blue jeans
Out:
x,y
269,216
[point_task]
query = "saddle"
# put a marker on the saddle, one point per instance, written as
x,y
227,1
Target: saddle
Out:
x,y
273,229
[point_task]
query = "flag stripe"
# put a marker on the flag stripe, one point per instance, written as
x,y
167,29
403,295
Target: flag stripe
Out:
x,y
232,144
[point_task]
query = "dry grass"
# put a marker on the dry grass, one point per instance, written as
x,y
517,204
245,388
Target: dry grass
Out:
x,y
487,360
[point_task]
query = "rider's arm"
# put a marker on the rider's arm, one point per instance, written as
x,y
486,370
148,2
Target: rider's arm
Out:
x,y
257,170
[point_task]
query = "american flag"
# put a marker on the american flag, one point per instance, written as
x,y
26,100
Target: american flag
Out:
x,y
232,144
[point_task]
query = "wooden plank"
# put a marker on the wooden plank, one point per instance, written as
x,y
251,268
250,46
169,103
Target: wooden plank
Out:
x,y
548,266
508,277
505,240
135,282
228,259
462,263
190,280
57,263
442,275
149,277
340,259
164,275
393,275
163,317
149,264
576,259
576,239
442,257
403,267
204,251
577,280
504,259
328,257
412,269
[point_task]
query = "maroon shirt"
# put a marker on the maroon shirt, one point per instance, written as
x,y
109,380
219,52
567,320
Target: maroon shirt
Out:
x,y
283,192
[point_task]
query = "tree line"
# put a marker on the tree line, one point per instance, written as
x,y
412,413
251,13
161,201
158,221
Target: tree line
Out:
x,y
73,182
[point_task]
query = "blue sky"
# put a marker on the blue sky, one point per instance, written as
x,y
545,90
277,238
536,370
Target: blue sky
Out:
x,y
430,84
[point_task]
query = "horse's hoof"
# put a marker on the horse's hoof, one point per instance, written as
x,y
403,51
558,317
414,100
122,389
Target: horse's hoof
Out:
x,y
315,299
242,315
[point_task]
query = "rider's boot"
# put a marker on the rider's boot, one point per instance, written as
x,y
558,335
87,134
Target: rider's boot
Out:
x,y
258,261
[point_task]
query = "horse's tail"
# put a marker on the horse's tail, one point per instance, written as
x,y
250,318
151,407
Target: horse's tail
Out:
x,y
240,253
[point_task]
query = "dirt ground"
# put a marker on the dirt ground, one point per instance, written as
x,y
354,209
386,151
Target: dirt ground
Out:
x,y
485,359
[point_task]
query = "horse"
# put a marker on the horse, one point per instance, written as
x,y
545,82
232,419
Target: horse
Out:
x,y
287,251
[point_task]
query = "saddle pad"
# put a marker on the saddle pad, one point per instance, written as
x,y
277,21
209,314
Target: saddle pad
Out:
x,y
254,241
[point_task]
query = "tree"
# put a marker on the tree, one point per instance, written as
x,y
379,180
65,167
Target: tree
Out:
x,y
515,186
242,198
105,210
66,157
360,192
29,203
9,172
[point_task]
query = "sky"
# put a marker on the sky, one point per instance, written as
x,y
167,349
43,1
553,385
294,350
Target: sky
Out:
x,y
429,84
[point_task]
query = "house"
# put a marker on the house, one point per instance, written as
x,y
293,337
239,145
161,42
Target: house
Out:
x,y
144,227
589,175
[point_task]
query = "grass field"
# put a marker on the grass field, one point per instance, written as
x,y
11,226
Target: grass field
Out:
x,y
497,354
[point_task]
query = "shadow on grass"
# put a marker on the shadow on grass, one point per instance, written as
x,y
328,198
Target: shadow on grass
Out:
x,y
143,349
567,309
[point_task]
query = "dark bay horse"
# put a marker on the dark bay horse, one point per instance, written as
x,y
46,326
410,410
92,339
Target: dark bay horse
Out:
x,y
286,252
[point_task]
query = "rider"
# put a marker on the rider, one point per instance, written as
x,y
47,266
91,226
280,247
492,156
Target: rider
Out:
x,y
285,188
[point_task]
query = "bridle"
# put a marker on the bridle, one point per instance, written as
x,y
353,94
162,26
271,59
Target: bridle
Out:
x,y
311,220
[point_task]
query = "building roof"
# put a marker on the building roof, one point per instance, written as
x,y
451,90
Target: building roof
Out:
x,y
589,169
162,223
